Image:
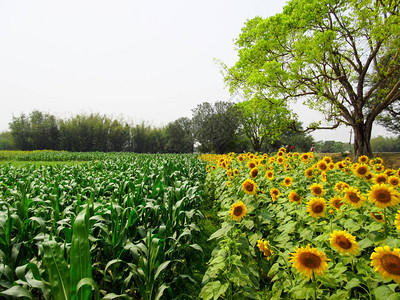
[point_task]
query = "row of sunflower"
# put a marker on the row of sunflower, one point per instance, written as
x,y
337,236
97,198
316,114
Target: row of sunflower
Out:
x,y
297,226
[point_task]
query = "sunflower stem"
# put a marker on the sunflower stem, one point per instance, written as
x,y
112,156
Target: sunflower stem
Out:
x,y
386,225
315,285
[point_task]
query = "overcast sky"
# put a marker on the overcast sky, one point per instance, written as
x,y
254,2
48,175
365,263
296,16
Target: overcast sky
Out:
x,y
149,61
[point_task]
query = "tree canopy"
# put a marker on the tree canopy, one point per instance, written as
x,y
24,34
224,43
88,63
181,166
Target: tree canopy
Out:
x,y
337,56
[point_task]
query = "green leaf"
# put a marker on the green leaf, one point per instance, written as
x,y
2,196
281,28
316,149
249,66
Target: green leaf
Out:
x,y
383,292
58,271
88,282
213,290
354,282
115,296
17,291
365,243
221,232
80,259
161,268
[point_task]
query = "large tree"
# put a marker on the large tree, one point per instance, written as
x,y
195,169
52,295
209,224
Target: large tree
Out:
x,y
334,55
262,120
215,126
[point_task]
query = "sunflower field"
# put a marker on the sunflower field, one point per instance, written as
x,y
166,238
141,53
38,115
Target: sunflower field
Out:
x,y
294,226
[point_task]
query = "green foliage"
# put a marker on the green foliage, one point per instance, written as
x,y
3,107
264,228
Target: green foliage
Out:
x,y
6,141
385,144
262,119
327,53
215,126
118,226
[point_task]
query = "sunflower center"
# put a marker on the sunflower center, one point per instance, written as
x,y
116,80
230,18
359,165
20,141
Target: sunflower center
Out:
x,y
362,171
249,187
322,167
310,260
354,198
383,196
337,204
275,192
377,216
296,198
317,190
391,263
394,182
238,211
343,242
318,208
381,179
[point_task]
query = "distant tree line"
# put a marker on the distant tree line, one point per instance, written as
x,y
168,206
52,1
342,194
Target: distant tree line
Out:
x,y
218,128
221,127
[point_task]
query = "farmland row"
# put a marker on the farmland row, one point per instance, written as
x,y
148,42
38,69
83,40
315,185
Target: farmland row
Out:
x,y
116,226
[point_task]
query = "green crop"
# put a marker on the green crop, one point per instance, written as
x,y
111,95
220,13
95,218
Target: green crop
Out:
x,y
119,225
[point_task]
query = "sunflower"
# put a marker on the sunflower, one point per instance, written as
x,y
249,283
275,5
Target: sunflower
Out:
x,y
241,158
309,260
309,173
380,178
397,220
383,195
274,192
354,197
294,197
228,183
280,160
361,170
336,202
296,155
389,172
377,216
305,157
323,176
280,153
394,181
322,165
249,187
254,172
387,262
269,174
317,189
235,172
316,207
327,159
282,149
340,165
263,246
251,164
363,159
344,242
238,211
379,168
229,173
287,181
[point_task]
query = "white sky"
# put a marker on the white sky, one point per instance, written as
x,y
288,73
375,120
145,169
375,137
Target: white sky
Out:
x,y
137,60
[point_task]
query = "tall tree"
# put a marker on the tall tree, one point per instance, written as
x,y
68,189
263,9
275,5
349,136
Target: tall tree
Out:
x,y
179,136
262,120
214,126
329,54
37,131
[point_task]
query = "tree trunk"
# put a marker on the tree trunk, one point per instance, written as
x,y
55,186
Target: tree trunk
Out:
x,y
256,143
362,140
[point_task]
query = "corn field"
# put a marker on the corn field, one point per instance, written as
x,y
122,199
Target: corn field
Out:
x,y
113,226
